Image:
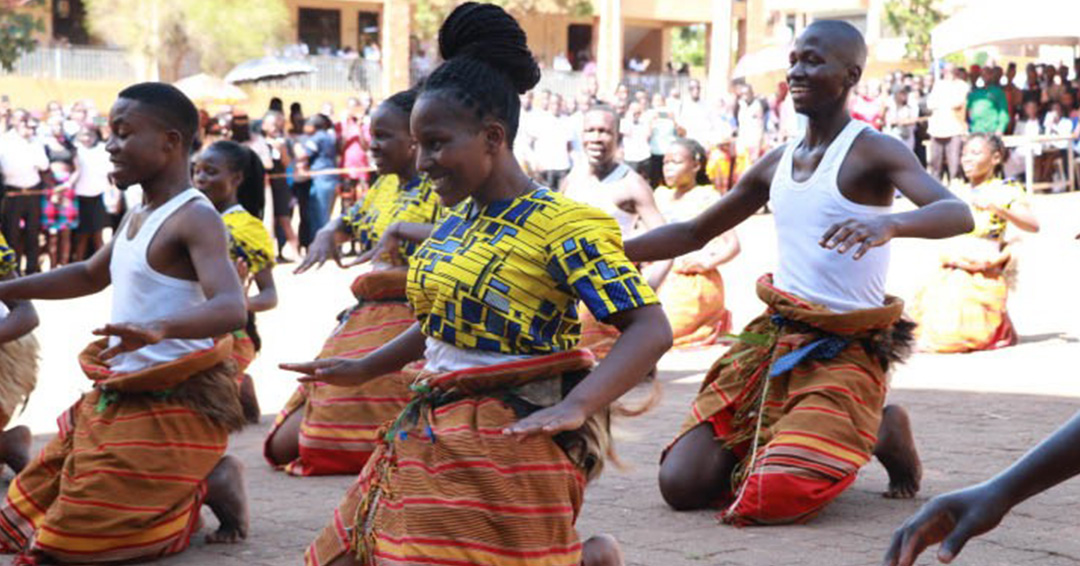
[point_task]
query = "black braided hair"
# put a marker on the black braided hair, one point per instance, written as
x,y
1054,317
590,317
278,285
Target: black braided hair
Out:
x,y
405,100
698,153
252,190
996,146
487,63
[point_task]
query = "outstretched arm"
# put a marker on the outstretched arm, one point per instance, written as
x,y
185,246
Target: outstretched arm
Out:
x,y
267,298
645,336
68,282
392,356
645,205
326,246
673,240
940,213
390,242
961,515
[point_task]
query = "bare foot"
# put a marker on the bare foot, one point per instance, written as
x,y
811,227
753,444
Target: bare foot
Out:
x,y
896,451
227,498
601,550
15,447
248,401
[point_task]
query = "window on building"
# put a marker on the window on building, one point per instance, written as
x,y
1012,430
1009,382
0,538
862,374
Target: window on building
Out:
x,y
320,30
579,40
69,22
367,40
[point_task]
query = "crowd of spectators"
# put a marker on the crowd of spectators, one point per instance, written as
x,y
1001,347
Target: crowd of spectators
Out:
x,y
58,199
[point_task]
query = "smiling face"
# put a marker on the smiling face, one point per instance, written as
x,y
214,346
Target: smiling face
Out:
x,y
600,137
140,146
214,178
819,75
979,159
680,167
452,148
392,147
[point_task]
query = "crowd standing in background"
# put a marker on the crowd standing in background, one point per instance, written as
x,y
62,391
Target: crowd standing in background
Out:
x,y
58,200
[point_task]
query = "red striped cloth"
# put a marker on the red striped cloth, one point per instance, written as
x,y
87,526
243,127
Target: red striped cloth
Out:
x,y
339,430
815,425
126,476
451,489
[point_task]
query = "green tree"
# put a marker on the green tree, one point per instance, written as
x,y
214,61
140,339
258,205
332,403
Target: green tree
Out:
x,y
688,45
18,23
914,19
428,15
165,33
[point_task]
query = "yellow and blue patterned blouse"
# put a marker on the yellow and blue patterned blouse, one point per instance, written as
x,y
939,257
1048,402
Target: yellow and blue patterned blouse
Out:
x,y
508,277
387,202
248,239
7,258
1004,194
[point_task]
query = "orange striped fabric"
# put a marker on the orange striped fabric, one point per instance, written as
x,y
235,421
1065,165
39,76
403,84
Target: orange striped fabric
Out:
x,y
961,311
814,426
451,489
243,353
694,305
123,480
340,424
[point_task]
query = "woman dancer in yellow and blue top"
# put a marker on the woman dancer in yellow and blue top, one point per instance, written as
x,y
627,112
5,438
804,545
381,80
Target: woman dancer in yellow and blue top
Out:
x,y
488,463
328,429
233,178
18,366
963,308
693,292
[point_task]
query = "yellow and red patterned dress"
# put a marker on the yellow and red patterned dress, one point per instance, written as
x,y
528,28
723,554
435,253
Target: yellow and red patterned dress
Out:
x,y
340,425
496,289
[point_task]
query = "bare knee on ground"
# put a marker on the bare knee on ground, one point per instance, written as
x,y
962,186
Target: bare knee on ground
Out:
x,y
896,450
696,471
227,497
602,550
284,443
15,448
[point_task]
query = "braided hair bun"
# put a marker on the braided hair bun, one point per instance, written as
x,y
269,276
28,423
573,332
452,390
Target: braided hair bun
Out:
x,y
486,32
487,66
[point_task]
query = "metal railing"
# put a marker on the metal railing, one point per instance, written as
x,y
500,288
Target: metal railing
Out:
x,y
333,74
75,63
572,83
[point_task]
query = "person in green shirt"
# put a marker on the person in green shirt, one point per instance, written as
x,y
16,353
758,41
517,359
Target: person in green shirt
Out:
x,y
988,107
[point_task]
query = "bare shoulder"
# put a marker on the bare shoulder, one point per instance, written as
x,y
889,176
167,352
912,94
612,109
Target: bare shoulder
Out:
x,y
197,220
762,171
634,186
877,149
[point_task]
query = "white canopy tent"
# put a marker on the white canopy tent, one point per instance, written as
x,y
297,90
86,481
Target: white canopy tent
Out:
x,y
999,22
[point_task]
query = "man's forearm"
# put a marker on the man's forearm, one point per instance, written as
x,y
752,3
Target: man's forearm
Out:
x,y
67,282
1053,461
666,242
412,231
940,219
217,316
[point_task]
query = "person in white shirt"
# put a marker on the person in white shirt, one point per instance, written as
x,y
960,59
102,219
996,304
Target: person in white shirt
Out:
x,y
947,103
22,160
551,141
694,115
90,180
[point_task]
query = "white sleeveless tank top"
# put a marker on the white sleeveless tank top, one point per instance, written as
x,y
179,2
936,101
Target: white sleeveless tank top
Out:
x,y
142,295
586,189
803,211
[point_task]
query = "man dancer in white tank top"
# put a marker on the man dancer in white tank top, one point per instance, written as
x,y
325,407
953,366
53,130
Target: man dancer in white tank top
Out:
x,y
142,452
612,186
785,420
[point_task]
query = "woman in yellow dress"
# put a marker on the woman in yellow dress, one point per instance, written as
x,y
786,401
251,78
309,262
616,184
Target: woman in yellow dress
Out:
x,y
487,465
18,366
693,292
963,308
233,178
329,429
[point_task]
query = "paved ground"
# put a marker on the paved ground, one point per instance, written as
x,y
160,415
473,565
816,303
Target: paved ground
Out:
x,y
973,415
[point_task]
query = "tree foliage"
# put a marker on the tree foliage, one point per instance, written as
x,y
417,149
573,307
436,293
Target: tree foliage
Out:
x,y
220,33
428,15
914,19
688,44
18,23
